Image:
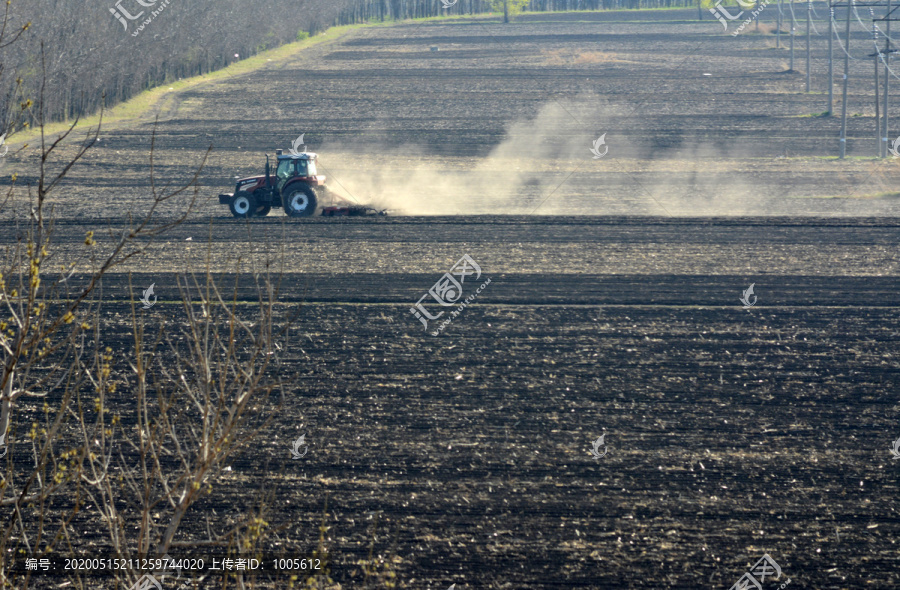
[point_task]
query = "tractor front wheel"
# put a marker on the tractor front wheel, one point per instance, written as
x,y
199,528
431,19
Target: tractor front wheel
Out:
x,y
300,201
263,211
242,205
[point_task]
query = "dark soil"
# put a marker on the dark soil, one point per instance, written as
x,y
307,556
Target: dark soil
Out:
x,y
731,432
465,458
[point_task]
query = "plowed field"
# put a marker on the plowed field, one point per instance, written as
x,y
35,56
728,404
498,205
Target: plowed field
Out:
x,y
465,457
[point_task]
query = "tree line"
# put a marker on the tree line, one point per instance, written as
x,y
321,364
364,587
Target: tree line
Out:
x,y
367,10
93,55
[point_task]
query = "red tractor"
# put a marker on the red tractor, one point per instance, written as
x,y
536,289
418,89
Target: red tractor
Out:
x,y
296,187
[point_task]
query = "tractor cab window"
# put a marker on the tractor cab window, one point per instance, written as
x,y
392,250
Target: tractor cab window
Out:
x,y
311,167
284,169
301,169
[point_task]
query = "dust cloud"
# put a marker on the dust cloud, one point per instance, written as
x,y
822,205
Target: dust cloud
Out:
x,y
545,166
511,179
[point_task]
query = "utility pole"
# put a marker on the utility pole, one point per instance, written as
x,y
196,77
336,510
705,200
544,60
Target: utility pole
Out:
x,y
793,32
876,55
846,79
830,62
791,69
778,21
808,16
887,78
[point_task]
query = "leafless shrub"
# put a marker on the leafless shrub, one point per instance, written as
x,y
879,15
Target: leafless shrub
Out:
x,y
128,439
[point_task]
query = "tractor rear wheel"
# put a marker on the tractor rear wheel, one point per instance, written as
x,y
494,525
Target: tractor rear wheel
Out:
x,y
300,201
242,205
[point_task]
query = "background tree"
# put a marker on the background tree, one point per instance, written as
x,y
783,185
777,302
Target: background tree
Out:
x,y
91,62
510,7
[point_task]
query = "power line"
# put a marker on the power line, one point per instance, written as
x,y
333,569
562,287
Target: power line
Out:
x,y
882,111
838,37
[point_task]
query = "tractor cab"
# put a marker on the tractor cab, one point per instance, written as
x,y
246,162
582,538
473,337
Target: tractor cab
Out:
x,y
301,166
